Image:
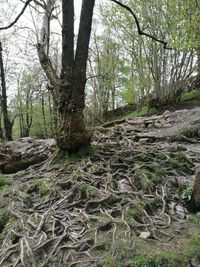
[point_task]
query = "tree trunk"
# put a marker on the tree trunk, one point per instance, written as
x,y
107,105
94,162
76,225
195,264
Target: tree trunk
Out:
x,y
195,200
69,91
7,123
73,135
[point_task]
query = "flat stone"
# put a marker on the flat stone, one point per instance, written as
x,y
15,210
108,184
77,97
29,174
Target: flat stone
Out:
x,y
144,140
167,125
145,235
158,125
166,114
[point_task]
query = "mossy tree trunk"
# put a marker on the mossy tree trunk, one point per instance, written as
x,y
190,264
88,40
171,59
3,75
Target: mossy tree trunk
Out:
x,y
72,134
195,200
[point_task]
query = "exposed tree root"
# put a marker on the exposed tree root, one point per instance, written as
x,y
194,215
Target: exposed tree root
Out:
x,y
82,206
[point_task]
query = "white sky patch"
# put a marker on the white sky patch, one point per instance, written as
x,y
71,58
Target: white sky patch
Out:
x,y
19,42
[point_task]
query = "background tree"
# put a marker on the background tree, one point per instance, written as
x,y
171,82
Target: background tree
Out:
x,y
7,123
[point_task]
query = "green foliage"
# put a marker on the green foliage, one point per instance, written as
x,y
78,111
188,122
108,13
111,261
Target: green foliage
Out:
x,y
179,162
129,94
65,158
192,132
87,191
4,182
39,187
192,95
145,156
196,218
187,194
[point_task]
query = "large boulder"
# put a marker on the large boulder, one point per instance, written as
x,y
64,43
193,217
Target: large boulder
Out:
x,y
20,154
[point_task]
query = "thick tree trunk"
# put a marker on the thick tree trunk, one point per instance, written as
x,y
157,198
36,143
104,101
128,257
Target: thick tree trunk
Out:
x,y
69,92
72,135
7,123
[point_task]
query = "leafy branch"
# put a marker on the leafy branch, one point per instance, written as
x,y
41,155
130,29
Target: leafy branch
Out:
x,y
140,32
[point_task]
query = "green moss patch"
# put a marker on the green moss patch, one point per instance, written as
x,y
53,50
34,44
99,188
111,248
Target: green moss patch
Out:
x,y
4,182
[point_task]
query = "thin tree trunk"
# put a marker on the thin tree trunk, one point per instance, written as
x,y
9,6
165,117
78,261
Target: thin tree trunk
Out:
x,y
6,121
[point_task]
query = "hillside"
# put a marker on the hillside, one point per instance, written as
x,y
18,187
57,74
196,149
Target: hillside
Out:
x,y
121,203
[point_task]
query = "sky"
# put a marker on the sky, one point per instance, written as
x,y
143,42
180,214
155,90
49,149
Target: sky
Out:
x,y
22,37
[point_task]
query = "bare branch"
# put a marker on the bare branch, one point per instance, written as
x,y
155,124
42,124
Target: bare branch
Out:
x,y
138,25
18,16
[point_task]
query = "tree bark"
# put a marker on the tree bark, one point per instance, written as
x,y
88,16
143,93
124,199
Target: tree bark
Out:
x,y
195,200
73,135
6,121
69,91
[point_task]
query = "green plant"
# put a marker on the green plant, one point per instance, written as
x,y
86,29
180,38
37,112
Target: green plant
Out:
x,y
39,187
4,182
192,132
186,194
193,95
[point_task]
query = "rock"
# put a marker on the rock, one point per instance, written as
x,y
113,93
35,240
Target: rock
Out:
x,y
157,125
180,212
172,148
162,121
143,125
145,235
22,153
167,125
124,186
144,140
166,114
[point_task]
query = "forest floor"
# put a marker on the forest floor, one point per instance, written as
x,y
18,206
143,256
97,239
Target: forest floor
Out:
x,y
121,203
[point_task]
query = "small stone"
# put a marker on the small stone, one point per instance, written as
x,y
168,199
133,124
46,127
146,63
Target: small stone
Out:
x,y
123,186
166,114
180,212
172,148
145,235
144,140
167,125
158,125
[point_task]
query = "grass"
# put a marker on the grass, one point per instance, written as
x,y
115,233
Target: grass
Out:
x,y
191,132
65,158
4,182
189,96
39,187
145,111
176,252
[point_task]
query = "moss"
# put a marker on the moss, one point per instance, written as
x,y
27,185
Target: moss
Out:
x,y
192,132
65,157
144,111
193,95
145,156
134,211
4,182
39,187
179,162
145,181
87,191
